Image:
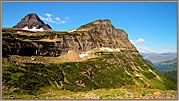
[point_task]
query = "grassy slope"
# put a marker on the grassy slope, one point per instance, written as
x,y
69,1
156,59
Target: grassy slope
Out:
x,y
172,74
130,92
92,74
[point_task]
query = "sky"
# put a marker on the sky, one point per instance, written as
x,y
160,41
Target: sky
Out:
x,y
151,26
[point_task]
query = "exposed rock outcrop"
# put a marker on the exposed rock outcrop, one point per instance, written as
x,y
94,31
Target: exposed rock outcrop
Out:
x,y
103,27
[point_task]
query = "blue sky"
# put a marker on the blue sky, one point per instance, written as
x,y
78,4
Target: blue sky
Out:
x,y
151,26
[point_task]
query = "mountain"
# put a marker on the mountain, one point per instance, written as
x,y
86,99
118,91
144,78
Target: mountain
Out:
x,y
150,63
169,53
156,58
32,21
166,66
144,54
165,63
100,33
103,27
93,56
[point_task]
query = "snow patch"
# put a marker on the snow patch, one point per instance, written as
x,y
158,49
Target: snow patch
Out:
x,y
109,49
72,30
68,51
117,49
33,29
85,54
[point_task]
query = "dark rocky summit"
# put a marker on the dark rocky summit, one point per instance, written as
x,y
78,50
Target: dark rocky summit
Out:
x,y
32,20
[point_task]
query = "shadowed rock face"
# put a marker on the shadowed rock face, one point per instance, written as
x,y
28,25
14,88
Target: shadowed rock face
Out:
x,y
32,20
18,48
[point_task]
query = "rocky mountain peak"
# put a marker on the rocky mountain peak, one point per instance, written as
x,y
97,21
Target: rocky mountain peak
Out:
x,y
103,27
105,22
31,21
33,16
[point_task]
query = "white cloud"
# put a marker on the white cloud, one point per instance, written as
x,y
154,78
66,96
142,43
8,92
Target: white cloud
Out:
x,y
63,22
48,18
49,15
57,18
171,47
142,47
140,40
146,52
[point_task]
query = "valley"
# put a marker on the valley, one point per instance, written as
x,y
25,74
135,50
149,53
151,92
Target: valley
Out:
x,y
164,63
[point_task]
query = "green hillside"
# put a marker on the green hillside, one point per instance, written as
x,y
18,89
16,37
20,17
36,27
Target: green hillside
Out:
x,y
150,63
172,74
102,72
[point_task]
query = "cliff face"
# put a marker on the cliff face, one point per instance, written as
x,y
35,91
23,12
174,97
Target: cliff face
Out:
x,y
97,34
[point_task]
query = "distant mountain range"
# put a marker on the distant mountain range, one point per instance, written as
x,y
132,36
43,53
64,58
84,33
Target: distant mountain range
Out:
x,y
153,53
165,63
166,66
156,58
